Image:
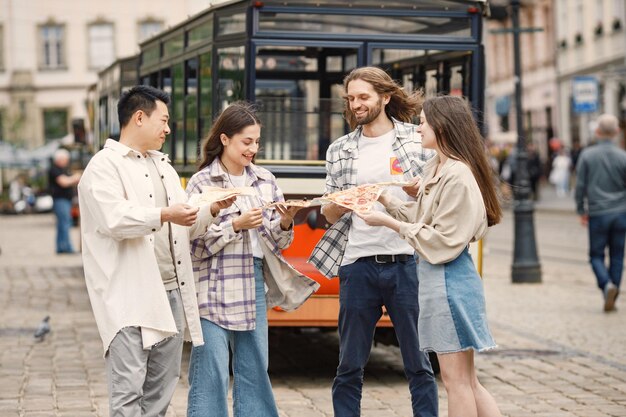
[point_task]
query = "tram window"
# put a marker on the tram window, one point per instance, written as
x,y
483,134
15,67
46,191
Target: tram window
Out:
x,y
176,116
166,85
230,24
173,46
205,111
200,33
365,24
151,55
436,71
166,80
191,110
230,75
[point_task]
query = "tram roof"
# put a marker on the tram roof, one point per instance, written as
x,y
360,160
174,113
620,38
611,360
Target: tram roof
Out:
x,y
444,6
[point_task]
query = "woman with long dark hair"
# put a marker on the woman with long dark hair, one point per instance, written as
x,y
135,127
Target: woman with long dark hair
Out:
x,y
234,262
456,203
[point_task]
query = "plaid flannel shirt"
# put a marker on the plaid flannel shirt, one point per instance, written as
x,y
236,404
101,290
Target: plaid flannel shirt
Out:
x,y
341,174
222,259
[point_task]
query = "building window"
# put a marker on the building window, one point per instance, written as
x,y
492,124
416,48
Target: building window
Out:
x,y
618,14
149,28
55,123
101,45
52,43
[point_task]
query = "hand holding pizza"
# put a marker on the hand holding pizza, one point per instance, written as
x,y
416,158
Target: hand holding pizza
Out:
x,y
287,213
251,219
413,187
377,218
333,212
219,205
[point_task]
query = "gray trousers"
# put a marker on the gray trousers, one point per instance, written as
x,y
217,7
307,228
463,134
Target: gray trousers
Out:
x,y
142,382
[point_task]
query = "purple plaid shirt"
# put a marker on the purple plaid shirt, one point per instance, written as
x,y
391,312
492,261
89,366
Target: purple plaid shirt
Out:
x,y
222,259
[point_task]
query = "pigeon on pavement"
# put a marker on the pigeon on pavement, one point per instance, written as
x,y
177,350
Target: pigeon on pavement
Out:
x,y
43,329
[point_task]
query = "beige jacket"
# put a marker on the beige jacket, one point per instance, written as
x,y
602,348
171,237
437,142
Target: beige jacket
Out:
x,y
448,214
118,220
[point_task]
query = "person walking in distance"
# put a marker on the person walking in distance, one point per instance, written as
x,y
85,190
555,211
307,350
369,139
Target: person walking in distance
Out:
x,y
601,204
62,183
456,203
375,266
136,228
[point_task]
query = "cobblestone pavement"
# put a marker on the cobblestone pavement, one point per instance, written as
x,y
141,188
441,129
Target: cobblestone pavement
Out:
x,y
559,355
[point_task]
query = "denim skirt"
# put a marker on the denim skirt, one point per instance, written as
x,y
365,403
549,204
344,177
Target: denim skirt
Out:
x,y
452,307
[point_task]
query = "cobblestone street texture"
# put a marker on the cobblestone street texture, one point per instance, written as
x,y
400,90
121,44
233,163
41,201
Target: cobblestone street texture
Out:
x,y
559,355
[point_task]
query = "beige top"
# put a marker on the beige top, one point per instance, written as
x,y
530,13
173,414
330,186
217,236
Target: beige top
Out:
x,y
449,212
119,217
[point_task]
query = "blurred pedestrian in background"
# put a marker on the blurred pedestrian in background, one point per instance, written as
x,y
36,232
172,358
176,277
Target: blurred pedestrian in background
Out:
x,y
601,204
560,174
62,182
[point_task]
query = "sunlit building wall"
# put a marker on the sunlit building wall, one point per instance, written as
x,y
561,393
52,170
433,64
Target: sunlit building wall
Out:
x,y
51,52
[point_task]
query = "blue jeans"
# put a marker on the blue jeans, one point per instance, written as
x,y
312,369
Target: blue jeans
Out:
x,y
607,230
366,286
63,211
208,368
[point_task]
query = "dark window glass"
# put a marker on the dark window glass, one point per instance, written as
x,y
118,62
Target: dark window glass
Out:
x,y
202,33
166,85
177,116
55,123
173,46
231,75
191,110
364,25
151,55
206,92
231,24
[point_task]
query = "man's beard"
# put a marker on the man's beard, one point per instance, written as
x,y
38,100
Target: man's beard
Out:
x,y
371,114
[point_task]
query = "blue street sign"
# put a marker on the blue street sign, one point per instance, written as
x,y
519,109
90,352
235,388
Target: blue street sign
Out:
x,y
585,94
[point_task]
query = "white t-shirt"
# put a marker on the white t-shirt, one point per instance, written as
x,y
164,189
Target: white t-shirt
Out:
x,y
244,205
376,163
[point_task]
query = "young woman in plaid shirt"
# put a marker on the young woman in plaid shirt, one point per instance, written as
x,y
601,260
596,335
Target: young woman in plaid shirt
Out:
x,y
234,262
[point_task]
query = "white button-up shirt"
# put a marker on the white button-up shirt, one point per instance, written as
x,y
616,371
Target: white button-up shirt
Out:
x,y
118,220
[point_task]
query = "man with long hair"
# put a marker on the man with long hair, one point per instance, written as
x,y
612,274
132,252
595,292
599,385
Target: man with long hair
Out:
x,y
375,266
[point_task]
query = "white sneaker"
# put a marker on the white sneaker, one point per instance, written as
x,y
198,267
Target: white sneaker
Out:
x,y
610,294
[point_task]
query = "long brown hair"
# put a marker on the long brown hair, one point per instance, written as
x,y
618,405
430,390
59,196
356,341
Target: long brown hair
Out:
x,y
401,106
458,138
236,117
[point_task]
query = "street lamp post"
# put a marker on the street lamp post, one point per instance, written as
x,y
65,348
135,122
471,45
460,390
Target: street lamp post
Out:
x,y
526,267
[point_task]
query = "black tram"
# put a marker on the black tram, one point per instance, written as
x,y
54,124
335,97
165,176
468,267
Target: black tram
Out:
x,y
290,57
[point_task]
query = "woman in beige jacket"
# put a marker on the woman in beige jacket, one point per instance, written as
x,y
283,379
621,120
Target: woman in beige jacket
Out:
x,y
455,204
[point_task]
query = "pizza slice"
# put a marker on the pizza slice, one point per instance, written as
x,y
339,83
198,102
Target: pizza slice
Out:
x,y
209,195
360,199
294,203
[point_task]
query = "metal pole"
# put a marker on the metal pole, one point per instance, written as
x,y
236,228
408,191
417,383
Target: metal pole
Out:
x,y
525,266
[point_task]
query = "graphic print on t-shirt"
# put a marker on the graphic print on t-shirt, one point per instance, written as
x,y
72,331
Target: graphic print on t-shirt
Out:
x,y
394,166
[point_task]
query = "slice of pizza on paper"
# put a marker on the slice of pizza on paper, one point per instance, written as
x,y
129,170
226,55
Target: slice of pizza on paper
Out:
x,y
360,199
209,195
295,203
392,183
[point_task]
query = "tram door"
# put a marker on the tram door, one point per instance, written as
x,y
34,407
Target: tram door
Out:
x,y
299,92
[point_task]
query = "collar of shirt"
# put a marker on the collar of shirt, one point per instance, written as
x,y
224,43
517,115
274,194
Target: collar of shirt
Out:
x,y
402,133
253,173
126,150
